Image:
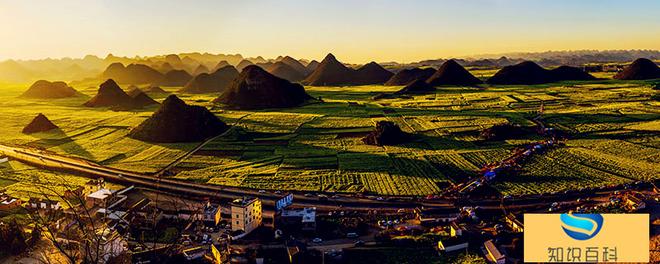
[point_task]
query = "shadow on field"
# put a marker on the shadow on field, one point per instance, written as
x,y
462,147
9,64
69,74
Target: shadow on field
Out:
x,y
618,136
580,118
56,138
294,156
543,179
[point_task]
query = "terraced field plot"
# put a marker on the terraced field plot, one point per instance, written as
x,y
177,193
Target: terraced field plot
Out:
x,y
96,134
23,181
318,147
325,152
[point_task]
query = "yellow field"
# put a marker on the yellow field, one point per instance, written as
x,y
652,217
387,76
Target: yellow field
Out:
x,y
318,147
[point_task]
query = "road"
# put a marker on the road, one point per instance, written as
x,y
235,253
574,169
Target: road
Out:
x,y
54,161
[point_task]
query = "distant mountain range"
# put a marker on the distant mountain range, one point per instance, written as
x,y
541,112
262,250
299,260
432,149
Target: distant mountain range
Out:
x,y
91,66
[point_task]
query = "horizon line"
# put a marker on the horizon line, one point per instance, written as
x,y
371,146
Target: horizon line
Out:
x,y
473,56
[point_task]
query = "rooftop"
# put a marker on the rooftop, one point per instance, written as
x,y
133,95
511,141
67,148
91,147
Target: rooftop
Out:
x,y
492,250
44,201
191,252
100,194
456,226
452,241
308,214
245,201
114,215
439,211
513,218
9,201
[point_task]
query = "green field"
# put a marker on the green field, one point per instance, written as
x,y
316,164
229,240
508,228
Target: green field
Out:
x,y
318,147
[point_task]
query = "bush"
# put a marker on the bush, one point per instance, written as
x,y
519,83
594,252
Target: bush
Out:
x,y
386,133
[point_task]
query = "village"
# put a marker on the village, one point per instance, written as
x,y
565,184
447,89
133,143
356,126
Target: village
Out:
x,y
146,226
329,132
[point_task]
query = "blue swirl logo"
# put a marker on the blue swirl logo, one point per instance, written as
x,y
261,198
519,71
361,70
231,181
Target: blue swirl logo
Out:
x,y
581,226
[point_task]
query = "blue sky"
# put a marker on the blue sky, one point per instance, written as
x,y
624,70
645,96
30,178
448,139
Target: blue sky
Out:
x,y
356,31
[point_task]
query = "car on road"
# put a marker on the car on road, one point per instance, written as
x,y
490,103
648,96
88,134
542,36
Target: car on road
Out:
x,y
352,235
358,243
308,195
317,240
262,191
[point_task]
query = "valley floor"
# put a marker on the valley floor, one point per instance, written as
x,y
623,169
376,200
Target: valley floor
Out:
x,y
614,139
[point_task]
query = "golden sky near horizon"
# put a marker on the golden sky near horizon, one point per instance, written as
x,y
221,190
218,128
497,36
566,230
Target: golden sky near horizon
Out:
x,y
355,31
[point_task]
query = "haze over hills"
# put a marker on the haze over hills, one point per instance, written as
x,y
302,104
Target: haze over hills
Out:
x,y
90,66
111,95
214,82
284,71
407,76
332,72
176,78
528,72
49,90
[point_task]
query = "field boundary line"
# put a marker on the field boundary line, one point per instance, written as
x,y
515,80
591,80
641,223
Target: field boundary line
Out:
x,y
178,160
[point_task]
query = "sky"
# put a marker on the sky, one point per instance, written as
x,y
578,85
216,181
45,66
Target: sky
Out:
x,y
355,31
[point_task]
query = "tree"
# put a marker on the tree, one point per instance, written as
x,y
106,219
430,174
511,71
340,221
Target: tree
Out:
x,y
35,236
170,235
81,234
12,234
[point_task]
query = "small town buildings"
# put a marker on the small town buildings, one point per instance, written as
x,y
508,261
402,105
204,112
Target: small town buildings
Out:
x,y
246,214
305,218
493,253
112,244
455,229
612,67
93,186
437,215
285,201
514,223
8,203
452,244
75,194
106,198
43,204
194,253
634,201
211,213
100,198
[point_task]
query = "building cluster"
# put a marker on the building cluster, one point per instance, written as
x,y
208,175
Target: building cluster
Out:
x,y
8,203
136,222
123,221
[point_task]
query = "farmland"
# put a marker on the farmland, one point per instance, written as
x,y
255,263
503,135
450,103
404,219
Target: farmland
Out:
x,y
613,126
318,147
